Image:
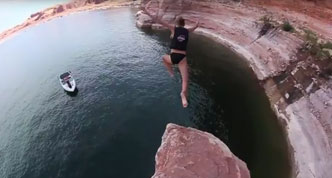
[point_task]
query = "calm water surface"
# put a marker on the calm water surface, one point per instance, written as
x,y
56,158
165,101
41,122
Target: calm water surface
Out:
x,y
14,12
113,126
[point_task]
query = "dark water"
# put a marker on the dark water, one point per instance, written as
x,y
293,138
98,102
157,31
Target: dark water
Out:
x,y
113,126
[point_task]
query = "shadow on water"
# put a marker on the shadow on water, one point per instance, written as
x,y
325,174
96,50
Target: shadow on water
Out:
x,y
72,94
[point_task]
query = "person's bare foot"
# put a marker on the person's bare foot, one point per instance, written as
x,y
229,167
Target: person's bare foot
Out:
x,y
184,99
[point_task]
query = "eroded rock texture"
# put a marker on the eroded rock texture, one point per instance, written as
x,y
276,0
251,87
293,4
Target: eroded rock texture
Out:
x,y
190,153
298,85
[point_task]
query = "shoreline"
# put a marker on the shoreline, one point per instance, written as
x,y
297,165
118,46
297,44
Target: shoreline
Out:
x,y
59,11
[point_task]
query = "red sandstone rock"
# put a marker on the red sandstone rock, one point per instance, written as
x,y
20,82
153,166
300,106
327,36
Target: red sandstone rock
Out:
x,y
59,9
321,3
237,26
39,16
190,153
34,15
143,20
95,1
320,9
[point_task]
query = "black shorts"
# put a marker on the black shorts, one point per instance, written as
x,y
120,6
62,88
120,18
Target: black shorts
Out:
x,y
176,58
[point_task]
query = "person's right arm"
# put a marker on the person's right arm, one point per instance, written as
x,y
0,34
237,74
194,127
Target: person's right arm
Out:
x,y
158,20
193,28
147,11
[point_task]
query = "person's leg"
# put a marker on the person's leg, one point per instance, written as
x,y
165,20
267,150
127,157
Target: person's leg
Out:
x,y
183,67
168,64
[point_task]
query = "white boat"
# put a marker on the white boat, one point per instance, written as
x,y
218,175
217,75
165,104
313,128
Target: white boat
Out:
x,y
67,82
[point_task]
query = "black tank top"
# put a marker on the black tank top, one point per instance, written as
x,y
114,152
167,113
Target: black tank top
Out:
x,y
180,39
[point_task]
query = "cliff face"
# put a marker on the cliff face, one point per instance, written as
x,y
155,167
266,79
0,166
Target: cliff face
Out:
x,y
237,26
297,82
314,8
190,153
294,3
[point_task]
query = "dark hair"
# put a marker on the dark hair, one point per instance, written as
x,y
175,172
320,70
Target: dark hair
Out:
x,y
180,21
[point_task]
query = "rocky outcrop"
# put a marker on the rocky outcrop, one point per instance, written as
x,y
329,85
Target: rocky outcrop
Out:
x,y
298,85
59,9
95,1
190,153
144,20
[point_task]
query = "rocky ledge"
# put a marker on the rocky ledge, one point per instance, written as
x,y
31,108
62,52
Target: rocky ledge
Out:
x,y
190,153
286,43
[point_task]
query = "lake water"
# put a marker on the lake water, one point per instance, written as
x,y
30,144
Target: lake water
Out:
x,y
14,12
113,126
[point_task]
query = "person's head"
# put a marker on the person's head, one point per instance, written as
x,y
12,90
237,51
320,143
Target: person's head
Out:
x,y
180,21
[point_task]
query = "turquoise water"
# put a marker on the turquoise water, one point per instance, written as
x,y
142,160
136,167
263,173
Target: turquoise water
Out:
x,y
14,12
113,127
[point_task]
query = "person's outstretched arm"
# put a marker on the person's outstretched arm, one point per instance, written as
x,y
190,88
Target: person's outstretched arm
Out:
x,y
191,29
158,20
149,13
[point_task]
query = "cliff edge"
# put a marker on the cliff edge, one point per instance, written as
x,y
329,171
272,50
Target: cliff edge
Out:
x,y
190,153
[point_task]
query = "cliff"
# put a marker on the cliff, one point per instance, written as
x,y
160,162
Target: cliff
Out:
x,y
190,153
286,43
319,9
296,4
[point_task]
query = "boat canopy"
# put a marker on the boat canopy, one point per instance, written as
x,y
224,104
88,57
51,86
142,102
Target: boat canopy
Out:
x,y
64,75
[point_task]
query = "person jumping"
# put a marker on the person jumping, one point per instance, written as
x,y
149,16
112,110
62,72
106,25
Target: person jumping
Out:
x,y
179,41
